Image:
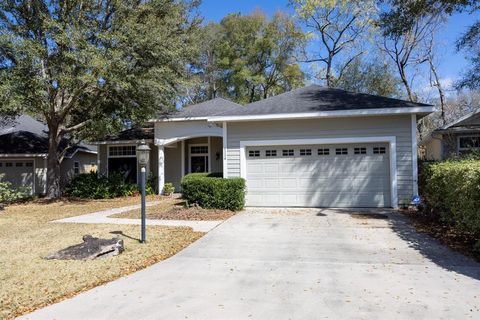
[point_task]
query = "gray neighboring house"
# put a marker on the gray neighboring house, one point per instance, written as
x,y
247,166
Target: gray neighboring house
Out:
x,y
454,139
310,147
23,154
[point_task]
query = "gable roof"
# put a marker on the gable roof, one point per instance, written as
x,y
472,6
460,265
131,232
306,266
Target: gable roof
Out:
x,y
469,120
133,134
213,107
315,98
27,136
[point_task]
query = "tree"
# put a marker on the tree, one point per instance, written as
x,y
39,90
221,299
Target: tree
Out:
x,y
81,64
407,49
340,25
469,43
375,77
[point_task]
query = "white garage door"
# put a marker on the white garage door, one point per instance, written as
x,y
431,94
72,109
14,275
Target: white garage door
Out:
x,y
18,172
319,176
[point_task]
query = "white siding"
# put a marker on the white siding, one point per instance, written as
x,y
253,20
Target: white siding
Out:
x,y
398,126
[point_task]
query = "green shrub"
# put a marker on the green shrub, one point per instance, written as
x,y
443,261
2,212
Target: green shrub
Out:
x,y
93,186
168,188
9,194
212,191
451,189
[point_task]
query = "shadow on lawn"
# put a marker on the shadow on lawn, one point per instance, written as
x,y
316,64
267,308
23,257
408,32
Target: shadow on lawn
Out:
x,y
427,246
124,235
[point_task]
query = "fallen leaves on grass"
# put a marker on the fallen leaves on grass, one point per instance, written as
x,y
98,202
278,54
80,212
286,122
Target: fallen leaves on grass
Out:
x,y
174,209
29,282
455,239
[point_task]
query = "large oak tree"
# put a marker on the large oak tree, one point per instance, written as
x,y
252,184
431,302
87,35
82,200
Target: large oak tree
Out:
x,y
84,64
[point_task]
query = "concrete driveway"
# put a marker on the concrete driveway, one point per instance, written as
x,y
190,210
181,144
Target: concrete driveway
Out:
x,y
294,264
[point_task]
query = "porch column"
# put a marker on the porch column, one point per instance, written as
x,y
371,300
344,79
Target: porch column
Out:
x,y
161,168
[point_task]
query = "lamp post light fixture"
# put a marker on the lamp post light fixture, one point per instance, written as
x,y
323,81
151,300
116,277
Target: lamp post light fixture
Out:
x,y
143,153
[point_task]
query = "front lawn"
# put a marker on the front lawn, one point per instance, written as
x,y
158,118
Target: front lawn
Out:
x,y
174,209
29,282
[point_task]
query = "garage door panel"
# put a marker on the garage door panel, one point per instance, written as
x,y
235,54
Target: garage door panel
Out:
x,y
18,172
315,180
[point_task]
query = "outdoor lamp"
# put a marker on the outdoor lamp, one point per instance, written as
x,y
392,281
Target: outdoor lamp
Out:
x,y
143,152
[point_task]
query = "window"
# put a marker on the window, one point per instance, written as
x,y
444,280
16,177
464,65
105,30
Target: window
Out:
x,y
28,164
8,164
271,153
19,164
116,151
288,153
341,151
199,158
360,151
199,149
467,144
305,152
323,152
254,153
379,150
76,167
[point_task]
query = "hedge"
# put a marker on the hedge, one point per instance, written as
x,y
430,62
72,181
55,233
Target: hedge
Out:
x,y
451,190
213,192
94,186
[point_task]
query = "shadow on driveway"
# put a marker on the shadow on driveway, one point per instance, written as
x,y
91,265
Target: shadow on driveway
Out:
x,y
428,247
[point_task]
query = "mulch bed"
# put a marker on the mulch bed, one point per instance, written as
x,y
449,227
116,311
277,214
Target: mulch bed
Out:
x,y
193,213
460,241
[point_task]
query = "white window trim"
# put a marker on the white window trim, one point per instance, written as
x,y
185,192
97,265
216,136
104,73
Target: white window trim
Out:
x,y
190,155
465,136
122,156
119,157
391,140
74,163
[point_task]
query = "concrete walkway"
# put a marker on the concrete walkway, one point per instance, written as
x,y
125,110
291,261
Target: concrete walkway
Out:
x,y
103,217
293,264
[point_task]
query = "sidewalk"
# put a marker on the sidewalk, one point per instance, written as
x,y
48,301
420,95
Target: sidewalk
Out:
x,y
103,217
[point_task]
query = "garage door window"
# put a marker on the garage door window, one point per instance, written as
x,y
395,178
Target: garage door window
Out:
x,y
271,153
360,151
19,164
379,150
340,151
254,153
305,152
323,152
8,164
288,153
28,164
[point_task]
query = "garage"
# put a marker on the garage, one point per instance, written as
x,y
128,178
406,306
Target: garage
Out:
x,y
336,175
20,173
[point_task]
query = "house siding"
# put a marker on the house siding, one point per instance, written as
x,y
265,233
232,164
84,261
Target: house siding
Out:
x,y
398,126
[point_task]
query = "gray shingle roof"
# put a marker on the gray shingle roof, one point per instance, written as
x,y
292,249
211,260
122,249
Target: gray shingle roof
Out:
x,y
315,98
208,108
26,135
132,134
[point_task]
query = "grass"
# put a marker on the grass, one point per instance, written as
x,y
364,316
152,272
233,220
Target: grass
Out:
x,y
174,209
29,282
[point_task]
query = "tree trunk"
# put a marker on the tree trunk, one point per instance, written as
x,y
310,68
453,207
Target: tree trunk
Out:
x,y
440,90
404,79
53,162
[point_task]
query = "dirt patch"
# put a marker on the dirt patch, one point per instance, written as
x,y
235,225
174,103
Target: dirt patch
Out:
x,y
462,242
174,209
369,216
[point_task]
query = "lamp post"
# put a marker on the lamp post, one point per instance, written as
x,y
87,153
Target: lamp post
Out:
x,y
143,153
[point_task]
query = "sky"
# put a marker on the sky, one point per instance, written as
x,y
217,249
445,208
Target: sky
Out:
x,y
452,63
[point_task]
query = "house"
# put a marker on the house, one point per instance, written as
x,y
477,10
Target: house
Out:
x,y
310,147
23,154
454,139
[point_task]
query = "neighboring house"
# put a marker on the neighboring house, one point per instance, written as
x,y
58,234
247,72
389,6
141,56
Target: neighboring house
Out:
x,y
311,147
23,154
454,139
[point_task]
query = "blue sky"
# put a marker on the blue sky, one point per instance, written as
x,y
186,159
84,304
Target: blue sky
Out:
x,y
451,62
